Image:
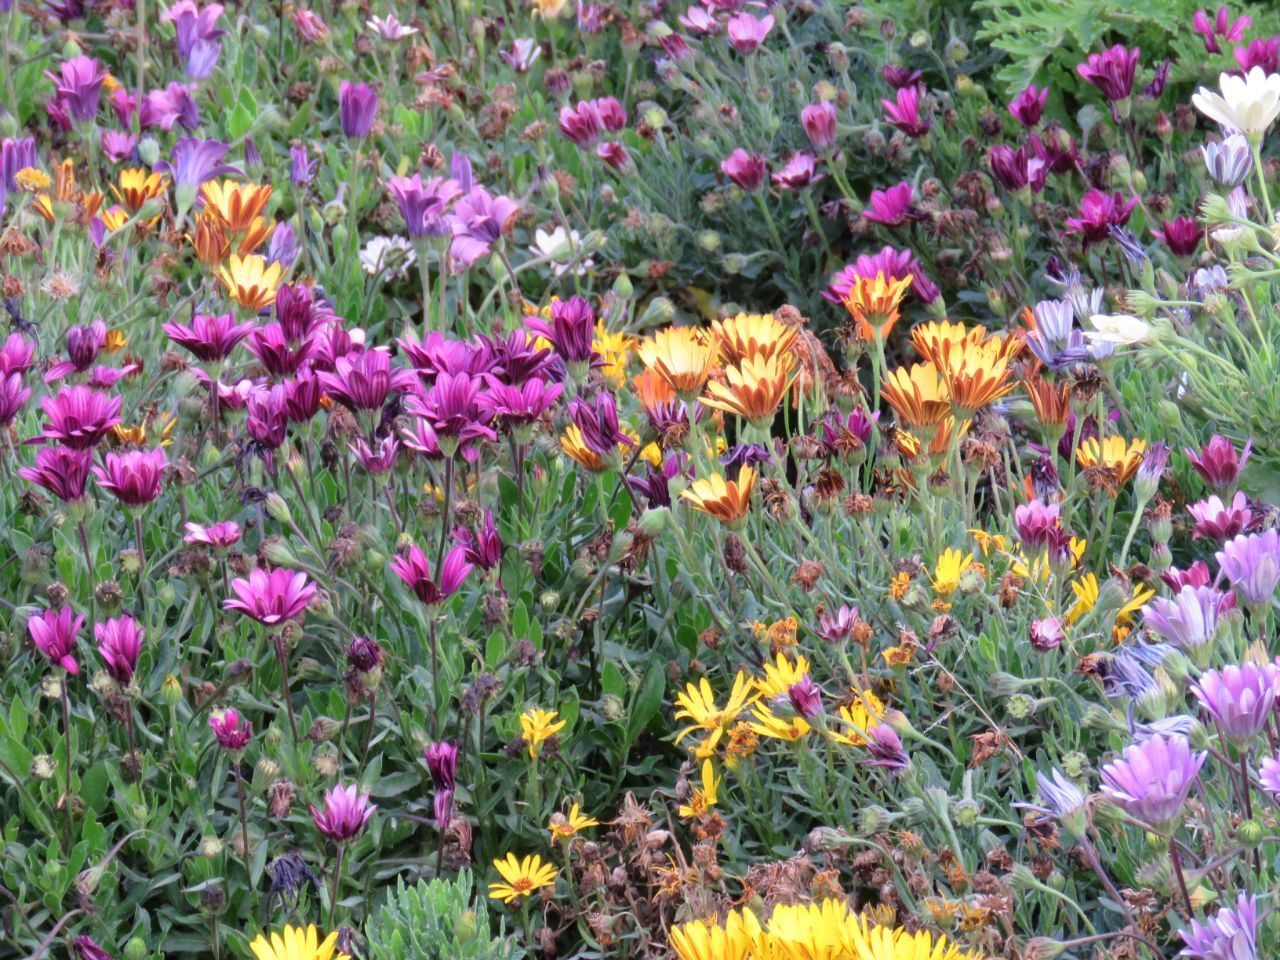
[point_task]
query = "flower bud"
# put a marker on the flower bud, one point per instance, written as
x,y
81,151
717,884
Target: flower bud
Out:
x,y
135,949
277,509
171,690
279,553
1250,833
873,820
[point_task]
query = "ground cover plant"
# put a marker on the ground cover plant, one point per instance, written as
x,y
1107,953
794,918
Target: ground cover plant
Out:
x,y
718,480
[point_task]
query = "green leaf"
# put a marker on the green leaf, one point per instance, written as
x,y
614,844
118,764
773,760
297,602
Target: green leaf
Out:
x,y
648,700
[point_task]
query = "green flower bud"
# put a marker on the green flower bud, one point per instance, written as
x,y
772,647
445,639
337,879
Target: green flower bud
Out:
x,y
873,820
278,553
209,848
465,929
1250,833
277,509
966,813
135,949
612,708
171,690
1075,764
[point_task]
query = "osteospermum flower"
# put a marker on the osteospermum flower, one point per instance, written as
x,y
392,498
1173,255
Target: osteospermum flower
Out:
x,y
251,281
234,206
758,335
780,675
230,729
698,704
752,389
1230,934
346,811
773,727
1239,698
137,186
727,501
975,376
1251,562
682,356
1248,103
1151,779
1114,458
874,304
295,943
859,717
271,598
521,877
119,644
918,396
537,726
54,634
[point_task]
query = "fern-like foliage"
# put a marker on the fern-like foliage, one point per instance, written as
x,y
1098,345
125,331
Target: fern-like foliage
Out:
x,y
435,920
1045,39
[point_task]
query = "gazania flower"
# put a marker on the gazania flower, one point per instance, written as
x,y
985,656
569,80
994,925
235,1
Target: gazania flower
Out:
x,y
947,572
521,877
859,717
918,396
250,281
295,943
768,724
682,356
752,389
537,726
976,376
703,798
137,186
873,304
566,827
234,206
709,940
759,335
727,501
1115,458
1249,104
698,704
780,676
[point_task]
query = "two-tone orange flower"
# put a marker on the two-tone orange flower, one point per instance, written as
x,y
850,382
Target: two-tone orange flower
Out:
x,y
251,281
975,375
1051,401
234,206
874,304
918,396
752,389
137,186
759,335
726,500
66,199
1112,461
682,356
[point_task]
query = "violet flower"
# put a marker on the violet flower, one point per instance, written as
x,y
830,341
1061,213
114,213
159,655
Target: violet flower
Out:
x,y
1188,619
904,113
483,548
364,382
79,417
78,86
1182,235
1028,106
221,535
1218,463
571,330
54,634
13,397
900,77
1098,212
1239,698
1229,162
379,460
800,171
746,32
230,729
1218,520
135,476
358,106
119,644
819,123
522,55
1231,933
1222,26
479,220
745,169
271,598
892,207
425,204
414,569
62,471
346,811
175,104
1264,53
1111,71
442,763
83,346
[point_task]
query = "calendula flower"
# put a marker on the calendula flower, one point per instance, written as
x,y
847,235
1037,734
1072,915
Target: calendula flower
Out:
x,y
295,943
250,281
704,797
682,356
759,335
521,877
780,675
769,724
752,389
1114,457
137,186
918,396
947,572
566,827
727,501
873,304
537,726
234,206
859,716
710,940
698,704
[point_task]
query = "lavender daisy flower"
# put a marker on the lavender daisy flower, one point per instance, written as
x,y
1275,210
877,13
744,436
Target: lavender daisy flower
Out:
x,y
191,163
479,219
1239,698
414,569
363,381
1151,779
1111,71
1252,563
1061,800
78,86
346,811
1219,520
425,204
1230,934
1229,162
1188,620
358,106
271,598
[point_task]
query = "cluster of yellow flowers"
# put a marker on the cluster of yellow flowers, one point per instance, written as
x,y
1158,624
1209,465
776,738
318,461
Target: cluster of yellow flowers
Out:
x,y
229,228
828,930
